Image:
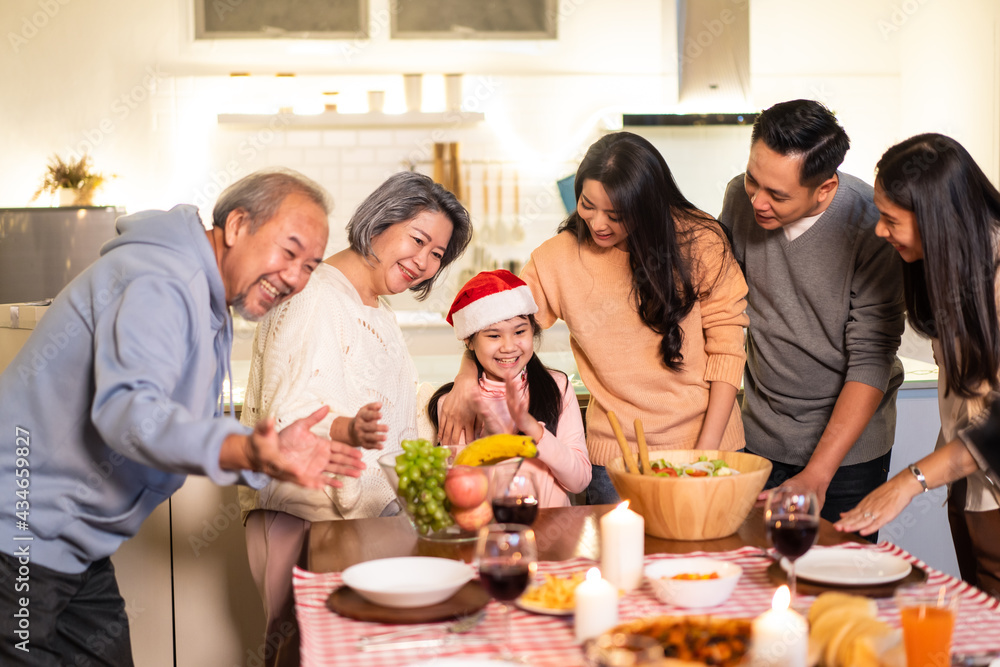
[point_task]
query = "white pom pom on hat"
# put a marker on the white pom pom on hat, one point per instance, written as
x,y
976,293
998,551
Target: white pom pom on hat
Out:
x,y
488,298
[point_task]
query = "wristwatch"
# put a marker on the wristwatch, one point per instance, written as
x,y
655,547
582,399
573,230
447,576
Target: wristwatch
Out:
x,y
919,475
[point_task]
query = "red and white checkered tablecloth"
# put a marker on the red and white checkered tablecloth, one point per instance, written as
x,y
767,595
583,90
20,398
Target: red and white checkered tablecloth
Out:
x,y
328,639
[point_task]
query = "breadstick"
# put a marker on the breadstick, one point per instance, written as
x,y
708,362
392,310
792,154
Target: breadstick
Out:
x,y
629,459
640,437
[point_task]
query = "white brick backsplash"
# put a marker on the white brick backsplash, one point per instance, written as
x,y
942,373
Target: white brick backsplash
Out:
x,y
409,137
315,173
348,174
265,137
376,174
286,157
308,138
394,156
332,175
340,138
357,156
324,156
375,138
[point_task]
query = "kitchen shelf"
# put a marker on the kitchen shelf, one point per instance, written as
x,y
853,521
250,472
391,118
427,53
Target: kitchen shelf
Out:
x,y
339,120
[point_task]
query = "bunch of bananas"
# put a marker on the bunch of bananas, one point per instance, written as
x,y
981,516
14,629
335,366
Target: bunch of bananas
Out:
x,y
495,448
844,632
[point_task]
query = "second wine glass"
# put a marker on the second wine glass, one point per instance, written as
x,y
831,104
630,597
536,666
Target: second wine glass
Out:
x,y
791,517
515,501
506,556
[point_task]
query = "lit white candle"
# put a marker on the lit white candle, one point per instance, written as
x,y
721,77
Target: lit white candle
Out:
x,y
780,636
596,606
623,544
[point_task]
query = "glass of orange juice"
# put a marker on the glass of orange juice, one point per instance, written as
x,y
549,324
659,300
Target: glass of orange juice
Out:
x,y
927,614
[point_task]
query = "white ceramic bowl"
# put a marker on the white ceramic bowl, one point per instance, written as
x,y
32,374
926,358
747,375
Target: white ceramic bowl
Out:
x,y
415,581
693,593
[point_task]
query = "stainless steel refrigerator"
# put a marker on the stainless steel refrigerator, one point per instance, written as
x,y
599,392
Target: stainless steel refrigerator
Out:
x,y
43,249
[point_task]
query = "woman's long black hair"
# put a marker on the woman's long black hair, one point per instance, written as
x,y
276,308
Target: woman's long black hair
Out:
x,y
544,396
645,199
950,294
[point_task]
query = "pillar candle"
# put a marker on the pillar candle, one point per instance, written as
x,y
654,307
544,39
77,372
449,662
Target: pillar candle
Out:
x,y
596,606
623,544
780,636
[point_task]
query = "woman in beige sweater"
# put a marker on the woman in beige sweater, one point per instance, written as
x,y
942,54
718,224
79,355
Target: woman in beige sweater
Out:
x,y
654,303
337,343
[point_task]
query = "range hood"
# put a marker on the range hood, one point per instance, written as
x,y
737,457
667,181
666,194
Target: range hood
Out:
x,y
713,66
713,54
684,119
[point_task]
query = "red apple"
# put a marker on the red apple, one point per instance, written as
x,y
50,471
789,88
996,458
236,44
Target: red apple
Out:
x,y
466,487
475,518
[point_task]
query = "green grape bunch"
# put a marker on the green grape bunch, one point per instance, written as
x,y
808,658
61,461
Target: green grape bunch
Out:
x,y
422,469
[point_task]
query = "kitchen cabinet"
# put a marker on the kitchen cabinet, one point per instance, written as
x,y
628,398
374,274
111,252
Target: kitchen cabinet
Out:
x,y
145,580
922,528
257,19
186,582
219,616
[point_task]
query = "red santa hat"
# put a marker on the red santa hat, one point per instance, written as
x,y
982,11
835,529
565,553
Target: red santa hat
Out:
x,y
488,298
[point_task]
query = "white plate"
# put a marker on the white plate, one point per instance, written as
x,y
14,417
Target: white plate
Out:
x,y
849,567
539,609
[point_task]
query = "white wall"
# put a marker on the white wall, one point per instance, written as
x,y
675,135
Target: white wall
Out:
x,y
950,81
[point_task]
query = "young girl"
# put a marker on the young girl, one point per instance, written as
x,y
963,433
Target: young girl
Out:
x,y
654,303
494,314
942,215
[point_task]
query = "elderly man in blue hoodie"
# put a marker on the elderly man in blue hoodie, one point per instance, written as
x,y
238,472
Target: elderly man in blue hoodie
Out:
x,y
117,397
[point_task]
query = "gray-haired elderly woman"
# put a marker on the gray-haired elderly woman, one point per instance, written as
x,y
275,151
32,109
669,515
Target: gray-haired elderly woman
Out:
x,y
337,343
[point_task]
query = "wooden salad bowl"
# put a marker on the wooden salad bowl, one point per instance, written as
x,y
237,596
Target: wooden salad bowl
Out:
x,y
692,508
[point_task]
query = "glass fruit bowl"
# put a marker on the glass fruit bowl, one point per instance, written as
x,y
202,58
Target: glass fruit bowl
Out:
x,y
444,502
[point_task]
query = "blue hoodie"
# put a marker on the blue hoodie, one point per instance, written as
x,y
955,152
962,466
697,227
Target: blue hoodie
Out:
x,y
115,397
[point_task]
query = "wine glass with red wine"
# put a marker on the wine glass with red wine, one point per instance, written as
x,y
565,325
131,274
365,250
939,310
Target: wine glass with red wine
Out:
x,y
506,556
515,501
791,517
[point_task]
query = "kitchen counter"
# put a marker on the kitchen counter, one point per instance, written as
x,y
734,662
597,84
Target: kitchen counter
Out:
x,y
437,369
429,338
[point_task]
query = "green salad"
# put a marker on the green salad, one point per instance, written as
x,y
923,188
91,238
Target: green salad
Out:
x,y
700,468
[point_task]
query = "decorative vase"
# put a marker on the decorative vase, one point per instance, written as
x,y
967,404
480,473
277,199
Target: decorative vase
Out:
x,y
67,196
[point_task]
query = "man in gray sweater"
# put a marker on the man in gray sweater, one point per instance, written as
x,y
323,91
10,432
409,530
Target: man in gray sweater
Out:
x,y
825,307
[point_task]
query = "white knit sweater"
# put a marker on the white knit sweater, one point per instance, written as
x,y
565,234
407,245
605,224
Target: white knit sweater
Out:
x,y
325,347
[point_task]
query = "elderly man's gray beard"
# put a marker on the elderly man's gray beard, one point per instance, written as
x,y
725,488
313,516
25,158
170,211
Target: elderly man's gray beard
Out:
x,y
240,306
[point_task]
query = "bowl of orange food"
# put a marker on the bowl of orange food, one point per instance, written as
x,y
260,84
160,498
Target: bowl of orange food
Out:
x,y
693,507
693,582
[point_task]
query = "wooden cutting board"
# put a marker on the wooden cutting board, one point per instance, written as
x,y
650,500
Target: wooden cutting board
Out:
x,y
469,599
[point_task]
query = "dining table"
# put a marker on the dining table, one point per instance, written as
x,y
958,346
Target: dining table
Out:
x,y
568,540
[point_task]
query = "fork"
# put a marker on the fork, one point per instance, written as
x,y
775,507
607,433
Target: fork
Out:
x,y
460,626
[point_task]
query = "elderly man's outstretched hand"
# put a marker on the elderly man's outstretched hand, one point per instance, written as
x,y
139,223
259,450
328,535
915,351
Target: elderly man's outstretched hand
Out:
x,y
296,454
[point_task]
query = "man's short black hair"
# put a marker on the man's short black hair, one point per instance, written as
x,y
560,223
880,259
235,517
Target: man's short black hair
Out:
x,y
806,128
